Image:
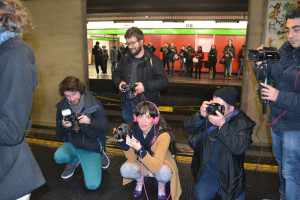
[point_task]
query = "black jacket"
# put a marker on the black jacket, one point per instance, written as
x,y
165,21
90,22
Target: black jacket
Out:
x,y
149,71
235,138
89,135
285,75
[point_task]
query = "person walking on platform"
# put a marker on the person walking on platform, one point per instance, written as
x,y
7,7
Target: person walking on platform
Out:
x,y
139,76
104,59
146,148
284,99
97,52
172,51
198,61
19,172
212,61
220,135
229,54
164,50
82,124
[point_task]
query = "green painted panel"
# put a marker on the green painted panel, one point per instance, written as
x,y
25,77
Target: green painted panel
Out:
x,y
175,31
103,38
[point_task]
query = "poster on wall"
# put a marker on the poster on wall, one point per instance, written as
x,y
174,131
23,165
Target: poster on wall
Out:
x,y
205,43
275,22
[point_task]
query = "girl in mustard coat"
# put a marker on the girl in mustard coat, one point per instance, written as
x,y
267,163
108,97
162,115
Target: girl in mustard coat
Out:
x,y
147,151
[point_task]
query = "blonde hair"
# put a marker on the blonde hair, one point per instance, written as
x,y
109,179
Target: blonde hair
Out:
x,y
14,16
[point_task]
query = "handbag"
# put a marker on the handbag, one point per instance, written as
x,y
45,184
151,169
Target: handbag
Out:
x,y
222,60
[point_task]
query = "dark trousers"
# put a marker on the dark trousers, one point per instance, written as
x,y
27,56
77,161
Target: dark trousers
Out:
x,y
208,186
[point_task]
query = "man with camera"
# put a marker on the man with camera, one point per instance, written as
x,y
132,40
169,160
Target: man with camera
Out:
x,y
82,124
284,99
219,136
139,76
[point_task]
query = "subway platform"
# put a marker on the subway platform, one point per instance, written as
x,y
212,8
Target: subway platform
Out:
x,y
261,183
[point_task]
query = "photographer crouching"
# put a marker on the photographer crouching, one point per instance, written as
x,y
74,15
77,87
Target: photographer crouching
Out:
x,y
219,136
82,124
284,100
146,146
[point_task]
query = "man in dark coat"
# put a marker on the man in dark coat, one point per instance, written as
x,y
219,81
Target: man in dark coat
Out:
x,y
98,58
284,98
220,136
139,76
19,171
82,124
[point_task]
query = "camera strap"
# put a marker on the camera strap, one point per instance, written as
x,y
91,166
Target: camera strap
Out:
x,y
283,112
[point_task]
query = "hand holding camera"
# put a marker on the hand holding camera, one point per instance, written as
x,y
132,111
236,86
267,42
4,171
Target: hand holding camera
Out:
x,y
268,92
133,142
83,119
218,119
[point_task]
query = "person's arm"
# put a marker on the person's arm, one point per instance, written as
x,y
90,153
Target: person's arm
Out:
x,y
155,161
159,80
98,126
236,139
117,76
17,83
288,100
194,124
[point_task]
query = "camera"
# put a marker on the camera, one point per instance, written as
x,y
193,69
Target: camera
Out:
x,y
213,107
121,131
267,53
129,89
72,117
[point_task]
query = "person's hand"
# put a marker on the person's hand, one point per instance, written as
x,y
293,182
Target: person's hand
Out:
x,y
121,86
268,92
139,88
66,124
217,120
133,143
83,119
203,108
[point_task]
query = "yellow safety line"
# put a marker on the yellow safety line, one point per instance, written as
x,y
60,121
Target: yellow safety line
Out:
x,y
181,159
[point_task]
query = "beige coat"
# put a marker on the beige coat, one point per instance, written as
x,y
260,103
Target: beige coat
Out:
x,y
161,155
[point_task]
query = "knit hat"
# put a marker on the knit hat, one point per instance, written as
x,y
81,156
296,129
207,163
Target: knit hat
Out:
x,y
228,94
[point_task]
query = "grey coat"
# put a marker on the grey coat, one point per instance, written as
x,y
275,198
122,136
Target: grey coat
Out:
x,y
19,171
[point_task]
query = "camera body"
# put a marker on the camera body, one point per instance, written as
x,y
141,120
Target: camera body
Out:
x,y
129,89
267,53
213,107
121,131
70,116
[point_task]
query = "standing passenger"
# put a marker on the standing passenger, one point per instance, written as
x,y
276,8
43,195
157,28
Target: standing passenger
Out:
x,y
139,76
19,171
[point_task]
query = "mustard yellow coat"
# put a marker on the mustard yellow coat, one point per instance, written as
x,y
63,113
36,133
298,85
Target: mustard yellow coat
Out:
x,y
153,163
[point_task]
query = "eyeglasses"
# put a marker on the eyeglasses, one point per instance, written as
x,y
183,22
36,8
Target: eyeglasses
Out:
x,y
133,43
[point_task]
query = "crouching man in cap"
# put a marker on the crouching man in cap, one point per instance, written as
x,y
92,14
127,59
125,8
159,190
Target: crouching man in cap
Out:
x,y
219,136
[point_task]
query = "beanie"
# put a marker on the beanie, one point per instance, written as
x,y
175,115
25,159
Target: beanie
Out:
x,y
228,94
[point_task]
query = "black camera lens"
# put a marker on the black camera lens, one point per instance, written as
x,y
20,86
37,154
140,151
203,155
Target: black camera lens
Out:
x,y
213,107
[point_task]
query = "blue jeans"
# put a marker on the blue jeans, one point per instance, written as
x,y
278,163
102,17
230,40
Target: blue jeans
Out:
x,y
208,186
286,148
91,163
133,171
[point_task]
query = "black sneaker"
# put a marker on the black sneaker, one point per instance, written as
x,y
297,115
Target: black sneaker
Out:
x,y
69,170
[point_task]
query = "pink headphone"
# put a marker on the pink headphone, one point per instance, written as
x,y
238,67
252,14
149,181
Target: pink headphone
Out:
x,y
155,116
